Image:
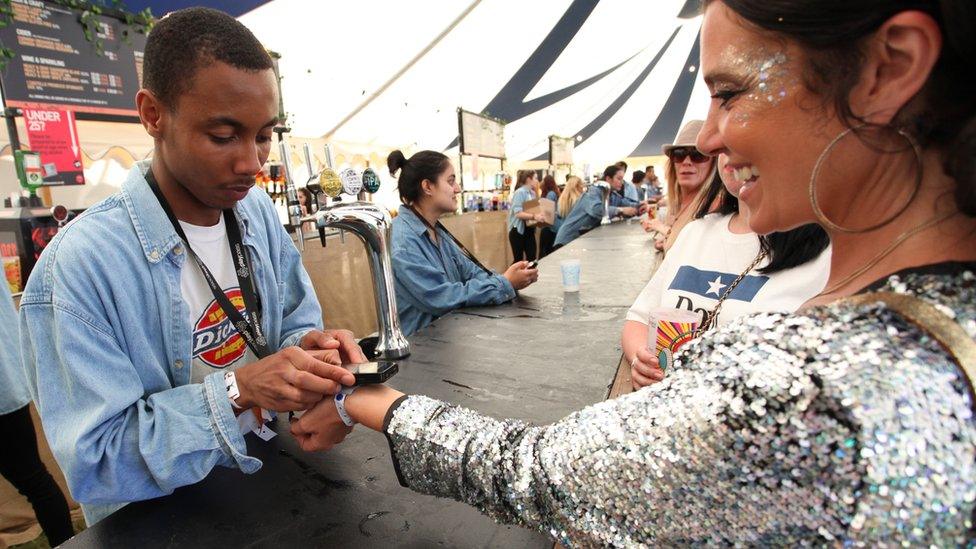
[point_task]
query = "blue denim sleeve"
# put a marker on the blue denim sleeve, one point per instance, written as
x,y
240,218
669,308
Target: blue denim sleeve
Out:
x,y
114,442
618,201
300,308
518,201
593,206
469,271
437,294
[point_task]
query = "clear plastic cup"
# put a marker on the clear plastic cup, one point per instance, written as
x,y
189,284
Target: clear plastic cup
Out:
x,y
571,274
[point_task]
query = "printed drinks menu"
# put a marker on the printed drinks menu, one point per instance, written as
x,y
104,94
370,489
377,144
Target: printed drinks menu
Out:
x,y
56,66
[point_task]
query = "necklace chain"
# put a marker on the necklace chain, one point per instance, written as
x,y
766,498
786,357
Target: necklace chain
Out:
x,y
885,252
712,317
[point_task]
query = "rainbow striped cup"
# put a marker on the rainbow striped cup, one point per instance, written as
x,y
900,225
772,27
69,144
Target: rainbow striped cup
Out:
x,y
672,329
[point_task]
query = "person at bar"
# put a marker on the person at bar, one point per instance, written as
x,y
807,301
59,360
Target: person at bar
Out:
x,y
520,235
434,273
590,208
687,172
848,423
722,270
547,235
164,323
624,198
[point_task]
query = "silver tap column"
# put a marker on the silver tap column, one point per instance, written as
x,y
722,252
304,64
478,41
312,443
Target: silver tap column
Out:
x,y
373,226
294,208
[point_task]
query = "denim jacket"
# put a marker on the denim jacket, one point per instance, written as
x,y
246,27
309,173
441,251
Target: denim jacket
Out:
x,y
586,214
434,279
626,197
106,341
519,198
13,386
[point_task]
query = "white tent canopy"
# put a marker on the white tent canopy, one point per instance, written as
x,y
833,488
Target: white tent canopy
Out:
x,y
607,72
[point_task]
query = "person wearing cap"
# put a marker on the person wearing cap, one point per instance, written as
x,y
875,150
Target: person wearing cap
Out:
x,y
687,171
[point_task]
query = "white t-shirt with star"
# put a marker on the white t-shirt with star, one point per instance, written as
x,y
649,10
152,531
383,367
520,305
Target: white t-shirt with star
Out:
x,y
707,257
216,345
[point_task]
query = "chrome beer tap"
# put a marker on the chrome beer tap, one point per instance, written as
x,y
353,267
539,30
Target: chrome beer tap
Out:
x,y
294,208
373,226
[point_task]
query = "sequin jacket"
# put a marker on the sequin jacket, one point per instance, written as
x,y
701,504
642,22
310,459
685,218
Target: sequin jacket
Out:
x,y
839,425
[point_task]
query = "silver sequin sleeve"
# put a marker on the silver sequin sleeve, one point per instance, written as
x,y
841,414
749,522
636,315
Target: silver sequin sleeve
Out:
x,y
840,426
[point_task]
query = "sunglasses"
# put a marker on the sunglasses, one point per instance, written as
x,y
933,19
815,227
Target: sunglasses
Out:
x,y
678,155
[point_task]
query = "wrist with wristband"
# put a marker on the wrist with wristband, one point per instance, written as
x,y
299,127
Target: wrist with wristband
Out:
x,y
233,391
340,403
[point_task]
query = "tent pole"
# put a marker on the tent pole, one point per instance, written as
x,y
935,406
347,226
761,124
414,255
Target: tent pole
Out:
x,y
405,68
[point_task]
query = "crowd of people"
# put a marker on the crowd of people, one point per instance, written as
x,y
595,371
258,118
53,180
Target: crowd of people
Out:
x,y
821,220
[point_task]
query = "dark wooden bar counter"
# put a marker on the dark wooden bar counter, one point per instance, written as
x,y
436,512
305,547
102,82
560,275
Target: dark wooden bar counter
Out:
x,y
538,358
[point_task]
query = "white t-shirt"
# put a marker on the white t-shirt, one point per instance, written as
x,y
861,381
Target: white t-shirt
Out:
x,y
707,257
216,343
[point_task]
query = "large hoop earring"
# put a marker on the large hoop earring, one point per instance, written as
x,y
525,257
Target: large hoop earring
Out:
x,y
822,217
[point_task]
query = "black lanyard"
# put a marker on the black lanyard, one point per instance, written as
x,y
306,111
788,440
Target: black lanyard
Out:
x,y
249,327
441,226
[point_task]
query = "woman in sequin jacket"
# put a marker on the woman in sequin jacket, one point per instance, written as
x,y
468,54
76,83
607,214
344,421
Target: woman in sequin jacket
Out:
x,y
838,424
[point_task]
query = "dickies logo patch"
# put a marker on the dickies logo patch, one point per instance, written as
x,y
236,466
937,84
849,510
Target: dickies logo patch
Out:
x,y
215,340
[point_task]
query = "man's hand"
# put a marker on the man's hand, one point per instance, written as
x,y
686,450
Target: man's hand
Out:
x,y
291,379
520,276
627,211
349,351
320,428
645,370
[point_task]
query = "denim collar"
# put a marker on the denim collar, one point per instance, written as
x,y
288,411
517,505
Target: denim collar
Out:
x,y
413,222
156,233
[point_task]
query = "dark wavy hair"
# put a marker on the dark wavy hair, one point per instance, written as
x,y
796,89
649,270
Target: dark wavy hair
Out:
x,y
834,35
785,250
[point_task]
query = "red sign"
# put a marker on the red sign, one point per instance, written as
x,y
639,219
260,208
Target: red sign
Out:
x,y
53,134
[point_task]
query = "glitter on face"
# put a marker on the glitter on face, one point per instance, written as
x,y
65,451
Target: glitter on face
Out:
x,y
766,76
840,426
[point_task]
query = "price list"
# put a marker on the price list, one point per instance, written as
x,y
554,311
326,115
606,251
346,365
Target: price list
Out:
x,y
56,66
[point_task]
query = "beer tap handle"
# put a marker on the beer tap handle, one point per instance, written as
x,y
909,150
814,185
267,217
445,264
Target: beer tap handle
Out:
x,y
312,172
294,208
329,163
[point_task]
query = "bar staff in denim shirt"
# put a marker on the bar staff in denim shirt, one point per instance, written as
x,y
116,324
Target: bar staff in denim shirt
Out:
x,y
623,195
107,338
521,236
434,273
588,212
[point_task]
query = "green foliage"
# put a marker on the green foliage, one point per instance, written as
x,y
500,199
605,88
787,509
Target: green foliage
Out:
x,y
89,20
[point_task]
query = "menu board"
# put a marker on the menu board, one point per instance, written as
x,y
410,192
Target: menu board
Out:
x,y
55,66
561,150
481,135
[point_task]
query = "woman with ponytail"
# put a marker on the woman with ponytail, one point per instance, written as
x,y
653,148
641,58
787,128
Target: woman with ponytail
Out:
x,y
434,273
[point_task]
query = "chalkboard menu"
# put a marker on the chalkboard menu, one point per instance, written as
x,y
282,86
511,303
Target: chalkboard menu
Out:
x,y
55,66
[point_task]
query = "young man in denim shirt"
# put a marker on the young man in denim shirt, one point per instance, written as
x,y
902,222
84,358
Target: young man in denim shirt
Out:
x,y
164,318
